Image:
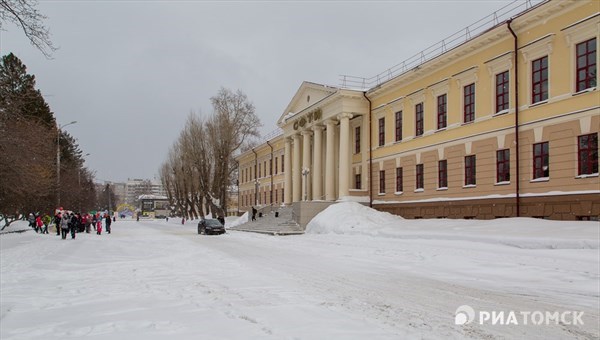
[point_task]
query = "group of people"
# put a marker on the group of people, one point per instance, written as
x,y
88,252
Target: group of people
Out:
x,y
68,222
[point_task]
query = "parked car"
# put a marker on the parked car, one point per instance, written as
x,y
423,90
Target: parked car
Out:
x,y
210,226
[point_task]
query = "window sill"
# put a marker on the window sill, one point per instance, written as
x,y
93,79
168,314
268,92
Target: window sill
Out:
x,y
442,189
468,186
502,183
538,103
419,190
381,194
541,179
441,129
467,123
591,89
398,193
500,113
587,175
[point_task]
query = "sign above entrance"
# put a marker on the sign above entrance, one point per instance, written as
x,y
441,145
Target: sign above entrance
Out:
x,y
308,118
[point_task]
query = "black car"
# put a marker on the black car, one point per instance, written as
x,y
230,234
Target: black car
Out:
x,y
210,226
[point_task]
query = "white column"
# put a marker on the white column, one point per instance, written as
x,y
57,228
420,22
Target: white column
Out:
x,y
317,193
330,161
306,164
345,164
297,171
287,164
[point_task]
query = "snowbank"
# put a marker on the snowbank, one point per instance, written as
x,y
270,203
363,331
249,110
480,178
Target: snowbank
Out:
x,y
353,218
234,221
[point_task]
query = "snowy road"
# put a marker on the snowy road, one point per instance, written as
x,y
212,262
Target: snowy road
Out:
x,y
152,280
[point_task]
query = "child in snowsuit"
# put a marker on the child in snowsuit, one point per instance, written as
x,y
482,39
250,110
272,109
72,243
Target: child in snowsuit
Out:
x,y
38,224
99,226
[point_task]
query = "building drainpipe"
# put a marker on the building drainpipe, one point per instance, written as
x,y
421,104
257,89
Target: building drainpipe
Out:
x,y
517,191
271,171
370,152
255,177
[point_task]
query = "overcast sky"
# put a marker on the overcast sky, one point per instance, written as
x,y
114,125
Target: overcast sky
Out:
x,y
130,72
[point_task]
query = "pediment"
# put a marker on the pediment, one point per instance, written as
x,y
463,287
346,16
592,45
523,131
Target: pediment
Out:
x,y
307,95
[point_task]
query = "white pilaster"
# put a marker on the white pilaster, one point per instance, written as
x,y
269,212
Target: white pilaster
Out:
x,y
287,164
306,165
297,171
330,161
344,171
317,192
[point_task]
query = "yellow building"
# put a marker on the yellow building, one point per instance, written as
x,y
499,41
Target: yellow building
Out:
x,y
453,134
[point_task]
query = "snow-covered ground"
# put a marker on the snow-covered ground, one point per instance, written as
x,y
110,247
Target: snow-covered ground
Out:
x,y
355,274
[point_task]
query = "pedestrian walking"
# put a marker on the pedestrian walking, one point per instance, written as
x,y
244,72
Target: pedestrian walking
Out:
x,y
64,225
57,221
38,224
99,226
254,214
74,224
31,220
107,222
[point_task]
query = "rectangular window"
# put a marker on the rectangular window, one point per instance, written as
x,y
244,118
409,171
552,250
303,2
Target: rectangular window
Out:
x,y
265,169
382,181
270,167
381,131
419,176
539,80
419,119
276,166
441,111
587,146
282,169
469,103
586,64
398,126
541,160
503,166
276,196
255,171
357,181
443,174
502,91
259,171
470,170
282,197
357,139
399,184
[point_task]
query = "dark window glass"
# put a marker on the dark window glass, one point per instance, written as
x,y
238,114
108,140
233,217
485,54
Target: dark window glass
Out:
x,y
541,160
470,170
587,146
399,186
419,176
381,131
419,119
586,64
503,165
502,91
539,80
357,182
357,139
441,111
382,181
443,174
398,126
469,103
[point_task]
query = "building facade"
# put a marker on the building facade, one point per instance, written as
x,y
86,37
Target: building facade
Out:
x,y
504,124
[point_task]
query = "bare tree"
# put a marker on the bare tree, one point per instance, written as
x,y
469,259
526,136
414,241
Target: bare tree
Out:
x,y
24,14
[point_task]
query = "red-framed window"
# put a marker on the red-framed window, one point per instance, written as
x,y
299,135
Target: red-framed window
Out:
x,y
419,119
442,108
469,103
587,147
357,139
539,80
586,64
541,160
443,174
399,184
503,165
282,163
382,181
419,176
502,91
398,126
357,181
470,168
381,131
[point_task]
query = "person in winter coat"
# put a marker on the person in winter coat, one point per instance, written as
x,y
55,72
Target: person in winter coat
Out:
x,y
38,224
98,226
31,220
64,225
46,219
108,221
57,220
74,225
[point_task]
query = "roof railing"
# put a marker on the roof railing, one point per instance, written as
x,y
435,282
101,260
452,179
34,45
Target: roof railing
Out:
x,y
510,10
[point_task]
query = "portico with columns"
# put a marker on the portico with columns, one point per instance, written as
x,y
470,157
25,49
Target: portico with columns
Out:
x,y
318,137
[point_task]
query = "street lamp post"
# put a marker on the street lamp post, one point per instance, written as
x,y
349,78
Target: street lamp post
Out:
x,y
58,161
305,172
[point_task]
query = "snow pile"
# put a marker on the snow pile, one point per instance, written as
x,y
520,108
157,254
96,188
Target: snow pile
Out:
x,y
350,218
234,221
353,218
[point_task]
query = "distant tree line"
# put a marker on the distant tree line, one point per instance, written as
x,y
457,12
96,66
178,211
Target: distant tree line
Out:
x,y
200,168
28,150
